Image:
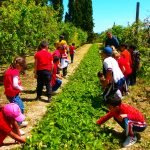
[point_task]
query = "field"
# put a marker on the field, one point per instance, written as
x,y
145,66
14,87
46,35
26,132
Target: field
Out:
x,y
70,120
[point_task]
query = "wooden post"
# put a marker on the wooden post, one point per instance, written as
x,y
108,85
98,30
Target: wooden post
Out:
x,y
137,11
137,21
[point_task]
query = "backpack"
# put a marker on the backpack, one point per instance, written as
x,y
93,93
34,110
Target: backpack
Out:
x,y
135,59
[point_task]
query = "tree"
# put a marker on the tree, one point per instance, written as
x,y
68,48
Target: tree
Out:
x,y
58,6
80,13
69,15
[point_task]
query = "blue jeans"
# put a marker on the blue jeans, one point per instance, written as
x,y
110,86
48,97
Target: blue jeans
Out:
x,y
57,85
17,100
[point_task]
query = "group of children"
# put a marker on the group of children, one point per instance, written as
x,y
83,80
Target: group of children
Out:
x,y
47,67
119,72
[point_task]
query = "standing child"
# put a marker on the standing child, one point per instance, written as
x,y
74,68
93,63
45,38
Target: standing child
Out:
x,y
57,52
127,56
56,78
135,55
10,114
72,51
12,83
124,66
43,67
128,117
64,61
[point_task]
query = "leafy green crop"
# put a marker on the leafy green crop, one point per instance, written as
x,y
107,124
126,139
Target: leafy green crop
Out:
x,y
70,121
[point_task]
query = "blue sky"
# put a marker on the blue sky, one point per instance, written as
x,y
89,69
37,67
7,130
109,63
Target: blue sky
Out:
x,y
106,12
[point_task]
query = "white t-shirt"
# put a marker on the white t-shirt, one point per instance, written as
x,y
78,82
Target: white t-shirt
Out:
x,y
111,64
64,62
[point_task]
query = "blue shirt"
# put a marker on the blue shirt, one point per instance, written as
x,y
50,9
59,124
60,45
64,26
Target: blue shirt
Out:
x,y
113,41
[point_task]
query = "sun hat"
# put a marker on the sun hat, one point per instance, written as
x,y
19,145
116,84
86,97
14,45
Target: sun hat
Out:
x,y
13,110
108,50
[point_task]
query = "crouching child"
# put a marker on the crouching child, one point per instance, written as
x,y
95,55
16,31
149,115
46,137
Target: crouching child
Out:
x,y
128,117
10,114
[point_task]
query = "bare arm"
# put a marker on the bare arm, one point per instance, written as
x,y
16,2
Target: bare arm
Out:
x,y
108,78
59,76
17,137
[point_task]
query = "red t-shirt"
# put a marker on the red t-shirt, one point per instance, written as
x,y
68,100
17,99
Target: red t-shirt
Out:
x,y
126,54
123,63
53,81
72,49
5,127
8,82
132,114
64,55
57,53
44,60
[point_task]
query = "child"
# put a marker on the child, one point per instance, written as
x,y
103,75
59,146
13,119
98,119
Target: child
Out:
x,y
10,114
43,67
128,117
125,53
72,51
57,52
124,66
12,83
113,77
56,82
64,61
135,55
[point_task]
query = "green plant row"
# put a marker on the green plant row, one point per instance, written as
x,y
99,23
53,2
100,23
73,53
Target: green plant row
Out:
x,y
23,25
70,121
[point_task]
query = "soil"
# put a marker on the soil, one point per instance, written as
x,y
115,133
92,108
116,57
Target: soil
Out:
x,y
139,97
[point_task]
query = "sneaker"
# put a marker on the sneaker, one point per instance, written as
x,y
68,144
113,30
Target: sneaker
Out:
x,y
22,132
24,124
129,141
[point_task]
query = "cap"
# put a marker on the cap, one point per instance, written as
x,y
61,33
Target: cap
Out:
x,y
13,110
107,50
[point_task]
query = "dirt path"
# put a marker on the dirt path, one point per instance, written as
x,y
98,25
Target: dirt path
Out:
x,y
36,109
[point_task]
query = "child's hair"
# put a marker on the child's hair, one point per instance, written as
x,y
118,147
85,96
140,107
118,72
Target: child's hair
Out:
x,y
62,47
132,47
42,45
100,74
113,100
73,44
20,61
56,59
124,45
